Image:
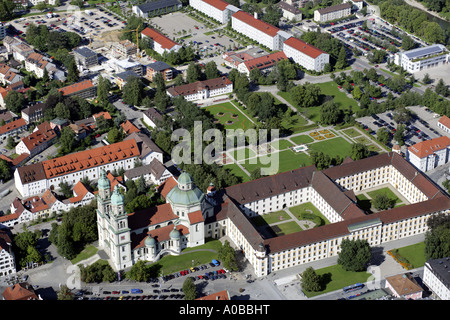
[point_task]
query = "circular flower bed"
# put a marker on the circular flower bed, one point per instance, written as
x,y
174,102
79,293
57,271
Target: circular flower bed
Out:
x,y
319,138
314,134
324,131
229,122
234,116
329,135
220,114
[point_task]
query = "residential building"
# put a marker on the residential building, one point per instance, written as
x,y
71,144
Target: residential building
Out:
x,y
148,150
444,124
21,50
156,8
20,291
357,4
161,43
85,57
221,295
128,127
333,13
290,12
306,55
9,75
160,67
258,30
13,128
404,286
218,10
3,94
7,262
201,90
155,173
36,142
84,89
265,63
123,77
34,113
7,115
436,277
127,64
37,63
429,154
234,59
422,58
126,48
151,117
34,179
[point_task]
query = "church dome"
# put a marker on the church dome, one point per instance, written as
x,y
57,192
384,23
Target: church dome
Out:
x,y
175,234
185,193
185,178
103,181
150,241
117,198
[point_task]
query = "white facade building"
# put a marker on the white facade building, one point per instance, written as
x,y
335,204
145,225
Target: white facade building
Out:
x,y
218,10
436,277
422,58
7,262
161,43
332,13
444,124
306,55
429,154
201,90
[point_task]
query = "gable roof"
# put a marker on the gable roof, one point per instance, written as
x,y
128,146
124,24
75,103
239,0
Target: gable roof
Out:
x,y
256,23
12,125
76,87
218,4
195,87
304,47
266,61
428,147
445,121
163,41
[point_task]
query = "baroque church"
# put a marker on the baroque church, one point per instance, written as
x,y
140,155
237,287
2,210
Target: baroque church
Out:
x,y
150,233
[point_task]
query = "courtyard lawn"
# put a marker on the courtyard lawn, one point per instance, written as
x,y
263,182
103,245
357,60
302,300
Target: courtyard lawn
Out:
x,y
231,118
386,191
87,252
297,125
286,228
331,89
282,144
335,278
352,132
288,160
302,139
415,254
243,154
333,147
309,208
269,218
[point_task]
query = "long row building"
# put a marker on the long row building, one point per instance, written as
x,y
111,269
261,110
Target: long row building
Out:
x,y
264,33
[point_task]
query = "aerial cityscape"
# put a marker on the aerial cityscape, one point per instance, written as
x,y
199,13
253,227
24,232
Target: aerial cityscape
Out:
x,y
238,150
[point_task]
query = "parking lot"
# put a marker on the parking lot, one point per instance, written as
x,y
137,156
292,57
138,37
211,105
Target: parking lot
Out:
x,y
75,21
421,127
206,40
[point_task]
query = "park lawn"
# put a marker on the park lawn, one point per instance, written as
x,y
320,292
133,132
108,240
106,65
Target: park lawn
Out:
x,y
243,154
302,139
388,192
87,252
282,144
241,122
335,278
351,132
269,218
305,208
415,254
333,147
331,89
297,125
237,171
288,160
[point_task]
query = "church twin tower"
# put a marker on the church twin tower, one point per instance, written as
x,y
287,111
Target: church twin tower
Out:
x,y
167,228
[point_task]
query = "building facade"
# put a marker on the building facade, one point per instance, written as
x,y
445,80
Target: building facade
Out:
x,y
333,13
429,154
161,43
156,8
85,57
422,58
436,277
218,10
444,124
201,90
306,55
7,262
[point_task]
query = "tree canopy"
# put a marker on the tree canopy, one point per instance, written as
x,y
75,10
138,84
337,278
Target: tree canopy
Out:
x,y
354,255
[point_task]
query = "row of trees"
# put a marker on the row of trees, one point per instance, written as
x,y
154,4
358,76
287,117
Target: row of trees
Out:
x,y
44,40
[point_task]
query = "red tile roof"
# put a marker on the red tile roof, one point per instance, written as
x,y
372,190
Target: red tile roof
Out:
x,y
219,4
128,127
265,61
12,125
163,41
256,23
43,134
76,87
445,121
428,147
20,291
221,295
303,47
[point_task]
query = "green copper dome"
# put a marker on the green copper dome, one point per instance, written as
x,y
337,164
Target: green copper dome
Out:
x,y
185,178
117,198
185,197
175,234
103,181
150,241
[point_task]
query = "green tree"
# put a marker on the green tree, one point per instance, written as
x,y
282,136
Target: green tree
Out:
x,y
65,293
341,62
193,73
72,72
103,88
62,111
228,256
189,289
426,79
310,280
15,101
441,88
67,140
5,171
359,151
133,91
354,255
383,135
383,202
211,70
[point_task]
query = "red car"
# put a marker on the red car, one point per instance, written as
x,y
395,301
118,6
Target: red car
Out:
x,y
116,292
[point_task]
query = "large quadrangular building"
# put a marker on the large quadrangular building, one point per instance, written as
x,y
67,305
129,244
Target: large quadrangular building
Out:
x,y
190,215
422,58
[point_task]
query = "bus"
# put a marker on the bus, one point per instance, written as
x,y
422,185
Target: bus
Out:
x,y
353,287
